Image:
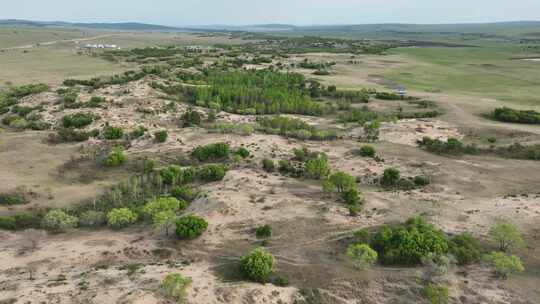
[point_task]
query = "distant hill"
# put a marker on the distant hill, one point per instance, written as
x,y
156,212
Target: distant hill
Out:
x,y
121,26
381,31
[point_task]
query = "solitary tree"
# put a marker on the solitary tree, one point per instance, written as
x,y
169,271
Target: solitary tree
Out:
x,y
507,236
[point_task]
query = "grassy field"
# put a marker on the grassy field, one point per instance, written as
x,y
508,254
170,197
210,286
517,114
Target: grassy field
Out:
x,y
487,71
13,37
51,65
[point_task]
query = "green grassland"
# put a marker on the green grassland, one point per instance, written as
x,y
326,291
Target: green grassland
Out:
x,y
488,71
51,65
19,36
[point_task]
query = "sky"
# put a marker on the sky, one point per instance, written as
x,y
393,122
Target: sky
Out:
x,y
244,12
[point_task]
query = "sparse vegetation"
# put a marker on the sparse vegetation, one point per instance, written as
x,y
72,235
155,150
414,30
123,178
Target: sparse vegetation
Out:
x,y
516,116
503,264
174,285
59,221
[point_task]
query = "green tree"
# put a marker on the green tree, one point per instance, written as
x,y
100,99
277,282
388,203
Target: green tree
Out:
x,y
507,236
58,221
317,168
164,220
190,227
112,133
367,151
503,264
258,265
362,255
160,204
121,217
174,285
342,181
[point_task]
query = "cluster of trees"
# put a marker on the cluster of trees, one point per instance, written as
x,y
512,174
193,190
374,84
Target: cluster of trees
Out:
x,y
517,116
416,242
251,92
293,127
392,179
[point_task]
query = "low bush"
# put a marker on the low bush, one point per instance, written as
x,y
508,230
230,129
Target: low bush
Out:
x,y
503,264
174,285
387,96
190,227
268,165
436,294
20,221
421,180
121,217
137,132
407,244
367,151
258,265
191,118
242,152
14,198
112,133
211,173
465,248
451,146
211,152
68,135
115,158
58,221
317,168
184,193
362,255
390,177
77,120
160,204
161,136
263,232
92,218
516,116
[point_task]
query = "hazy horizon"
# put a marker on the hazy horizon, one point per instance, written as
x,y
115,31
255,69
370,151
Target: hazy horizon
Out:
x,y
295,12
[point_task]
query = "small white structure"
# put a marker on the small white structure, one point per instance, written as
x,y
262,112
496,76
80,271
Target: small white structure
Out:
x,y
102,46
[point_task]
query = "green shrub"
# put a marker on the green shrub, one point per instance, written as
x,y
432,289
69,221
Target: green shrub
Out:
x,y
351,197
268,165
258,265
516,116
390,177
19,124
57,220
121,217
367,151
15,198
465,248
191,118
68,135
452,146
184,193
8,223
77,120
436,294
137,132
211,152
361,255
211,173
421,180
115,158
263,232
503,264
190,227
112,133
161,136
242,152
92,218
175,285
281,281
407,244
